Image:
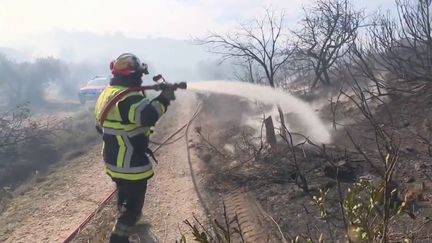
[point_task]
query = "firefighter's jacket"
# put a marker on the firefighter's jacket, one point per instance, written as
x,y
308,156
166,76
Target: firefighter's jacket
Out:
x,y
126,131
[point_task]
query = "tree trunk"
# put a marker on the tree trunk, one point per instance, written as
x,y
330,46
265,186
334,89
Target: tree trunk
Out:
x,y
271,82
270,133
326,77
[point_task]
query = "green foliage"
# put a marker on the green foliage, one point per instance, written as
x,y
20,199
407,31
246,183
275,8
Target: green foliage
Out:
x,y
319,202
226,232
364,207
368,208
360,206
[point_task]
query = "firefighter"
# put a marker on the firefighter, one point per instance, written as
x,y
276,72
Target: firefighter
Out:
x,y
125,133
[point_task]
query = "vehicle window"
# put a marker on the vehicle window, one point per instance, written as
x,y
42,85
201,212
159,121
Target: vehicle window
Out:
x,y
98,82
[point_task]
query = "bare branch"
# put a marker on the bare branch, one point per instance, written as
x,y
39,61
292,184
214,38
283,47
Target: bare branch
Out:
x,y
327,31
260,41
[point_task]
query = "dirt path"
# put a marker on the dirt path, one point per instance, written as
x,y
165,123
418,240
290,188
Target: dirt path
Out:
x,y
50,209
171,197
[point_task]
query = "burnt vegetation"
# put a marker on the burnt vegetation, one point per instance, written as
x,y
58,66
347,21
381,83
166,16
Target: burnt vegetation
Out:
x,y
260,47
375,73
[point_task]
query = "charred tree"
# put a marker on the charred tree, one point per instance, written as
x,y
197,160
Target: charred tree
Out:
x,y
326,32
261,42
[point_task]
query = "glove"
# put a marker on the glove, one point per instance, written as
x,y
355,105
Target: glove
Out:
x,y
166,96
168,92
99,129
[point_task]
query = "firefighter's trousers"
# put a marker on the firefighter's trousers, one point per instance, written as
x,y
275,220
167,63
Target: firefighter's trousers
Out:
x,y
130,201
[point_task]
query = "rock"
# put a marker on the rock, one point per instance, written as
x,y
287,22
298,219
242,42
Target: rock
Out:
x,y
229,148
414,194
373,179
410,179
342,163
295,192
343,172
329,184
411,150
234,164
191,145
198,129
206,157
420,166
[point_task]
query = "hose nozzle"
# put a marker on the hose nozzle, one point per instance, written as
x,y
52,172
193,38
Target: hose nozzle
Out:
x,y
164,83
181,85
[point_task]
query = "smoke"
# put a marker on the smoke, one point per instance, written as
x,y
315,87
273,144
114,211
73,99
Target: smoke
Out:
x,y
213,69
27,81
36,82
300,117
75,76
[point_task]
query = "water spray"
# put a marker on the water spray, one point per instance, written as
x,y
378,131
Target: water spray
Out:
x,y
308,118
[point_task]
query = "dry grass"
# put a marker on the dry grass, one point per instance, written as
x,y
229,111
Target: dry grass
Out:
x,y
32,157
97,230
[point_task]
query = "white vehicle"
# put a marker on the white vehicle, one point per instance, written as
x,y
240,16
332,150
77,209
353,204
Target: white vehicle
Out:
x,y
93,89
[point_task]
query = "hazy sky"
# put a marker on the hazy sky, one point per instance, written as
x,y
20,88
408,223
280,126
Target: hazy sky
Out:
x,y
96,31
178,19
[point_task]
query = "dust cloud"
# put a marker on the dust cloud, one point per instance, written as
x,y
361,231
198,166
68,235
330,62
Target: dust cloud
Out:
x,y
304,114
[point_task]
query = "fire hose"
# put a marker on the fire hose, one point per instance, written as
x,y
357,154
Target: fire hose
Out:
x,y
110,195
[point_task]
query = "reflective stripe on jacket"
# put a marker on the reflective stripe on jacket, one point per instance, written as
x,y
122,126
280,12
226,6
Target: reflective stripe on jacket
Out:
x,y
126,131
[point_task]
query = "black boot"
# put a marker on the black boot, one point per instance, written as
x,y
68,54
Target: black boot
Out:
x,y
118,239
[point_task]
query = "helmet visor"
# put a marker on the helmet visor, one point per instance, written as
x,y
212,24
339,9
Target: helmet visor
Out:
x,y
128,63
143,68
